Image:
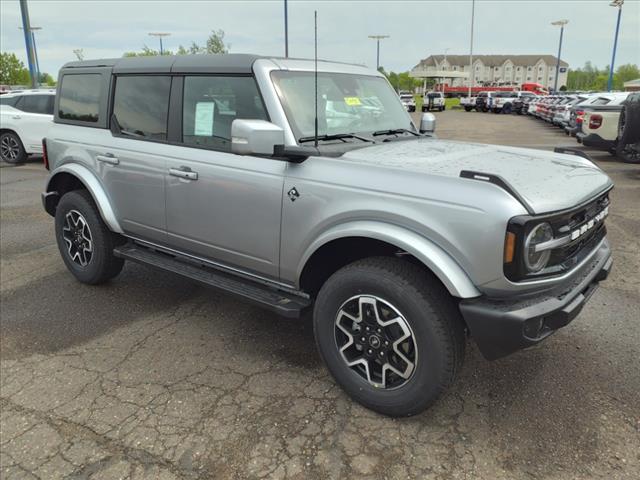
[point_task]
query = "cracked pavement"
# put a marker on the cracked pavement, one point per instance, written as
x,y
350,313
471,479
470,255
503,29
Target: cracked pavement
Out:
x,y
153,377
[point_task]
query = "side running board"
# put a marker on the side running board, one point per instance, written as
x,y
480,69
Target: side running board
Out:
x,y
284,303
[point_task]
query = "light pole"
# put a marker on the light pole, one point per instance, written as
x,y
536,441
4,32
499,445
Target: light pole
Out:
x,y
561,23
377,38
160,35
35,49
471,72
615,3
444,67
28,40
286,30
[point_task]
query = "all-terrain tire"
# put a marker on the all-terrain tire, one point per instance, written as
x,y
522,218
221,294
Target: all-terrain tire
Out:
x,y
429,311
77,207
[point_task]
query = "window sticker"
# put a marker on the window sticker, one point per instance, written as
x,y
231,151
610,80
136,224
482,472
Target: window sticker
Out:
x,y
352,101
203,125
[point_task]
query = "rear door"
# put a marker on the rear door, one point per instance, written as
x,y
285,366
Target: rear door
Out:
x,y
221,206
33,120
133,165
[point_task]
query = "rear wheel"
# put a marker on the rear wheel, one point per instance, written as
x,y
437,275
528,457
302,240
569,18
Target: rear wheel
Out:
x,y
468,109
11,148
390,334
84,241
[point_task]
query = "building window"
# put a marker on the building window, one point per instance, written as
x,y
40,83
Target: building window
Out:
x,y
528,69
528,78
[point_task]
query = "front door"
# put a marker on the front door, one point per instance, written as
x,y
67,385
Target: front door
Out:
x,y
221,206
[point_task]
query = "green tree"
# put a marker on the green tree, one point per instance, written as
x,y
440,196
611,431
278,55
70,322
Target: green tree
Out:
x,y
624,73
401,81
46,79
147,52
12,70
590,77
215,44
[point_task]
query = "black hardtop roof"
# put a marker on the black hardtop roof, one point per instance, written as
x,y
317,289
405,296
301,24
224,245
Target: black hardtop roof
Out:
x,y
224,63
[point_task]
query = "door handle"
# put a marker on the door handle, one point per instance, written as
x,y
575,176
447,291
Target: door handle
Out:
x,y
16,117
108,158
183,172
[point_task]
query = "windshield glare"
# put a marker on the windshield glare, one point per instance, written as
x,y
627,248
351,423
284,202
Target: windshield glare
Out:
x,y
347,103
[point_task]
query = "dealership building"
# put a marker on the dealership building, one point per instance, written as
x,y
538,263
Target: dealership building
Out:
x,y
493,70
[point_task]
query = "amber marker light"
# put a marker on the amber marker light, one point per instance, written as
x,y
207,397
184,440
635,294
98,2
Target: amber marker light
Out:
x,y
509,247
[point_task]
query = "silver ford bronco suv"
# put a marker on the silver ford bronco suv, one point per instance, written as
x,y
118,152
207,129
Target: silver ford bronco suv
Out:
x,y
309,190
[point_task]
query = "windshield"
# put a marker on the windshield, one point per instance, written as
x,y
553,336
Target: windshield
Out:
x,y
347,103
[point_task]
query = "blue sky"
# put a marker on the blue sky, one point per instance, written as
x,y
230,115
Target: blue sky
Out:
x,y
417,29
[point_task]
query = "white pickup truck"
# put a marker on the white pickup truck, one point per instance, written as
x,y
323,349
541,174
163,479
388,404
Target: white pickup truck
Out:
x,y
433,101
504,101
468,103
600,123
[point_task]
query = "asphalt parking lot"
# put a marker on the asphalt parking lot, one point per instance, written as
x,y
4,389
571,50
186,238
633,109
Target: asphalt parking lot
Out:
x,y
151,376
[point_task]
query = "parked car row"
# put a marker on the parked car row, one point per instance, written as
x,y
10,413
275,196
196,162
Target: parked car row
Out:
x,y
603,120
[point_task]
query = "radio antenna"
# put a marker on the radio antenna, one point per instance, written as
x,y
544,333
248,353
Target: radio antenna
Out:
x,y
315,71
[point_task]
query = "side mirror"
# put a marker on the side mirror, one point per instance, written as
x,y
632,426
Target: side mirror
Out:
x,y
428,123
255,137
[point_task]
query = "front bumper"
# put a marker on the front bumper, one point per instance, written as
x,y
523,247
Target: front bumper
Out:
x,y
503,326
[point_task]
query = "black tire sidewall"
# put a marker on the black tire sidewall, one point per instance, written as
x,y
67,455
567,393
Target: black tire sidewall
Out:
x,y
22,156
102,264
431,373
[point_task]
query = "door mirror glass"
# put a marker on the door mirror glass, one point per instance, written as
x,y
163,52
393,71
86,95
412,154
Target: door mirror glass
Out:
x,y
255,137
428,123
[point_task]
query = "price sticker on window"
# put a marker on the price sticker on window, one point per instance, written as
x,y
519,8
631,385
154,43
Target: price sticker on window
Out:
x,y
352,101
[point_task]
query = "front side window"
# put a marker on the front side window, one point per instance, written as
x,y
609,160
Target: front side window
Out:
x,y
212,103
42,104
80,97
347,103
141,105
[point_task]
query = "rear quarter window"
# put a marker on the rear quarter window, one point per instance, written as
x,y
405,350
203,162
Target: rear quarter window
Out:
x,y
80,97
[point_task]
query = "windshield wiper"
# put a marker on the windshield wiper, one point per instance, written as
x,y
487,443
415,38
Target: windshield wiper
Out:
x,y
335,136
395,131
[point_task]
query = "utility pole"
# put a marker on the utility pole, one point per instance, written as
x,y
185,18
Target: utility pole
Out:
x,y
561,24
615,3
28,40
377,38
286,30
160,35
471,72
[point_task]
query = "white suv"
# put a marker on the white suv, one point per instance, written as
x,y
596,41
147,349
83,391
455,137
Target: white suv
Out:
x,y
25,119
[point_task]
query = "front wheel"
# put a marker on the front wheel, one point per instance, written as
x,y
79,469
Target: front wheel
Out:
x,y
85,243
390,334
468,109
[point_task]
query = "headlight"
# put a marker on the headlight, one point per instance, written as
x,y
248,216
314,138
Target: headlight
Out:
x,y
536,261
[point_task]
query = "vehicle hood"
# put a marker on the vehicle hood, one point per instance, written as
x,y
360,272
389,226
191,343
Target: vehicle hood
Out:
x,y
545,181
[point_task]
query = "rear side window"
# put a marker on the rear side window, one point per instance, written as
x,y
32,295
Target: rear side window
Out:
x,y
141,105
212,103
42,104
601,101
10,101
80,97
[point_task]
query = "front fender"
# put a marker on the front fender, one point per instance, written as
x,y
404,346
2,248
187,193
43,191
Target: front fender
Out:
x,y
93,185
435,258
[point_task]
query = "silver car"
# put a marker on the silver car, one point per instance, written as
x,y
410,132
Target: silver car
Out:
x,y
313,191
